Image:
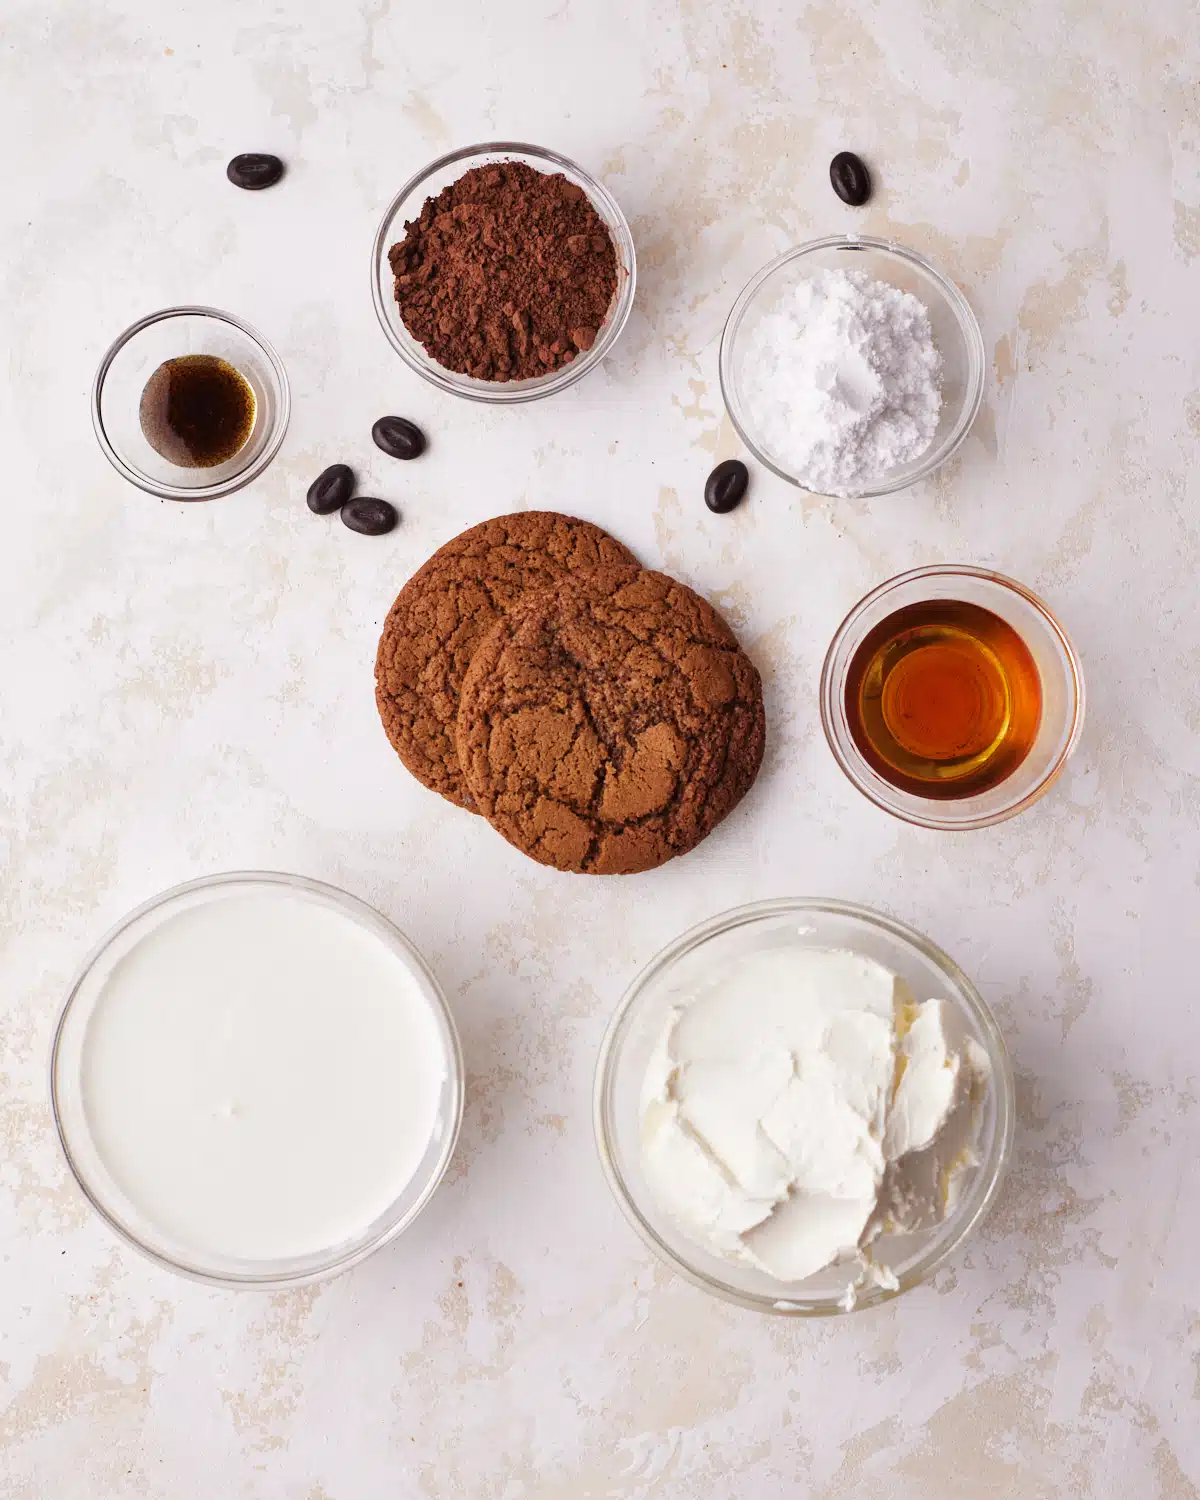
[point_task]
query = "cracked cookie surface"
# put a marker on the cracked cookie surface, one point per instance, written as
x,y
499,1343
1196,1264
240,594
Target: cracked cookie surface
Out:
x,y
610,722
444,611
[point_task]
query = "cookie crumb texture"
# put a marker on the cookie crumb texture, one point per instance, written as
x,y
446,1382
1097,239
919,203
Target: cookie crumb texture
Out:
x,y
445,610
610,723
507,274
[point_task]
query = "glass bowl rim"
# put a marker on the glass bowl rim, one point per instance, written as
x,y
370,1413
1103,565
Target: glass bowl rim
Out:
x,y
964,314
358,910
964,993
235,481
557,380
829,698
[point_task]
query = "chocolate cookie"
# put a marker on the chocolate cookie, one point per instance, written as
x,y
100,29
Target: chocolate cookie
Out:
x,y
610,723
445,610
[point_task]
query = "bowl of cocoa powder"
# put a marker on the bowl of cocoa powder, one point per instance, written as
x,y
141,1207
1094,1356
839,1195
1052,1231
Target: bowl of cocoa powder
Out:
x,y
503,272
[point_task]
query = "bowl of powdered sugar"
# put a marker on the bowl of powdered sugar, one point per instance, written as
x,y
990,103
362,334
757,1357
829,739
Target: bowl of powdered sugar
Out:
x,y
851,366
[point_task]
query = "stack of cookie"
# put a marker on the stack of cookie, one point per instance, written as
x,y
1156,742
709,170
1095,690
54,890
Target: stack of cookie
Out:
x,y
602,717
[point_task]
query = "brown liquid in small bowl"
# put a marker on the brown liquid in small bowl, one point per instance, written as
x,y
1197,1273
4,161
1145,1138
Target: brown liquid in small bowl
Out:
x,y
197,411
943,699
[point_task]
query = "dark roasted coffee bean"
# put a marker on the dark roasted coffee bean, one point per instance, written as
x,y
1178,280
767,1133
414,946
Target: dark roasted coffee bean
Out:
x,y
330,490
850,178
254,170
371,517
726,486
398,437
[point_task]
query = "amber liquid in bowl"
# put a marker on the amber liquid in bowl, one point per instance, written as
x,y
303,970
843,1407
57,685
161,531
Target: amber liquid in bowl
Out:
x,y
943,699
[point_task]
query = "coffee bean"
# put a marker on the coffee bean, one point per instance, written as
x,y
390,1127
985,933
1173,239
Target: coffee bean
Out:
x,y
850,178
330,490
398,437
254,170
371,517
726,486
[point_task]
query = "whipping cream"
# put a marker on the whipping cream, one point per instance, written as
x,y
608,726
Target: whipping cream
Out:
x,y
800,1103
261,1075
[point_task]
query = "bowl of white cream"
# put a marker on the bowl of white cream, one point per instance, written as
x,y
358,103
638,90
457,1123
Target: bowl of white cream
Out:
x,y
804,1106
256,1080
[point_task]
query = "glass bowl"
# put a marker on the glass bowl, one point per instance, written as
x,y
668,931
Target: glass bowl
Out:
x,y
407,204
1059,671
955,332
134,1225
637,1027
134,357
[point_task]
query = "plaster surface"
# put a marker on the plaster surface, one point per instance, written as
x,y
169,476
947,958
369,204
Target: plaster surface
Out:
x,y
187,688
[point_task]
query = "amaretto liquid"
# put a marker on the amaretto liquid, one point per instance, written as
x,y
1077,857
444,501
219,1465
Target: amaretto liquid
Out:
x,y
261,1075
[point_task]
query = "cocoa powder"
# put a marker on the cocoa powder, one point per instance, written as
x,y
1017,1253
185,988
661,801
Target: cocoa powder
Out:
x,y
508,273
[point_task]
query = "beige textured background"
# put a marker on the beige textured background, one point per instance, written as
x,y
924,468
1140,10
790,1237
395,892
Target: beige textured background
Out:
x,y
184,689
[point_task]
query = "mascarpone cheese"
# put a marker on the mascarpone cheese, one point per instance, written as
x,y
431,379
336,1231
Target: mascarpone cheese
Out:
x,y
800,1103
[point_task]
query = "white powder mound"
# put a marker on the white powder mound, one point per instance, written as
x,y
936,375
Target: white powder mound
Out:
x,y
844,379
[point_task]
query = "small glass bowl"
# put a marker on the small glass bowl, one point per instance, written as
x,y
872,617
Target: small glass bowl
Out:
x,y
637,1026
955,332
134,357
1058,668
110,1200
407,205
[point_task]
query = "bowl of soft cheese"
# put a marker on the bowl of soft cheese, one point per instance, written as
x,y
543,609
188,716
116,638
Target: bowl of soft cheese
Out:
x,y
804,1106
852,366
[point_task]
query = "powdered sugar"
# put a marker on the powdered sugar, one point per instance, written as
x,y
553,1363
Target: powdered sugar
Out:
x,y
843,378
